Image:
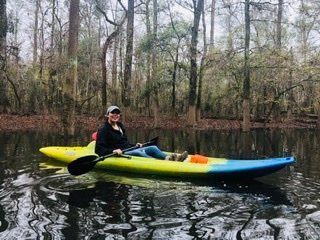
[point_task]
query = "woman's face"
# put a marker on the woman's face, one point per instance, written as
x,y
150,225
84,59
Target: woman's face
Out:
x,y
114,116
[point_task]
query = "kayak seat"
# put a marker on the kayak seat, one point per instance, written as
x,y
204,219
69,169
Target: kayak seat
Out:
x,y
94,136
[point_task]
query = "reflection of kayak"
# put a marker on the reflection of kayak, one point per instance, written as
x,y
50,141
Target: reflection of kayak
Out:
x,y
216,167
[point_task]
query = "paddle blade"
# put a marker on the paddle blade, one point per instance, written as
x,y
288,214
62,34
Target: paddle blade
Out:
x,y
82,165
153,141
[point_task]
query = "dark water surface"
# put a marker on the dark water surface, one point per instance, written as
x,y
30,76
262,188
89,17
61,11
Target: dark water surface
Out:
x,y
40,200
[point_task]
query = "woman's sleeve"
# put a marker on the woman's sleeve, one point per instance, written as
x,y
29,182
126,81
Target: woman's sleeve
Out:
x,y
102,147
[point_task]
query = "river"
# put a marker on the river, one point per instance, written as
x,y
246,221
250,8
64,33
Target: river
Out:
x,y
40,200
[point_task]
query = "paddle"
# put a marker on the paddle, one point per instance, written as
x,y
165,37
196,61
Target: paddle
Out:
x,y
86,163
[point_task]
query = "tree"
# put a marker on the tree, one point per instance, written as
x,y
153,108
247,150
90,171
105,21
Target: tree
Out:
x,y
154,63
148,57
128,59
35,32
202,66
4,102
111,37
175,59
279,24
68,115
212,22
52,70
246,82
198,6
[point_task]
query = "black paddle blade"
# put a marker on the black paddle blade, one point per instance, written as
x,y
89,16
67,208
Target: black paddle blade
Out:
x,y
153,141
82,165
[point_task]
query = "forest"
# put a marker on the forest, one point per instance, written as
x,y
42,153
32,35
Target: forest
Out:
x,y
250,60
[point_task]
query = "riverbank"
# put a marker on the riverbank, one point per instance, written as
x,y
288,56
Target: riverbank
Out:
x,y
35,122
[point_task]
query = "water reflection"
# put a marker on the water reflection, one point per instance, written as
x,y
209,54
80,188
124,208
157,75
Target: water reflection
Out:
x,y
39,199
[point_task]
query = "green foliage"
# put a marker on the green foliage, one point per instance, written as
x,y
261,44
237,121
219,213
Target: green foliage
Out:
x,y
146,44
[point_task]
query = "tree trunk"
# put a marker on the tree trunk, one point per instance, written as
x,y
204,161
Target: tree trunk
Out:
x,y
52,70
148,81
52,28
246,82
174,77
104,75
43,104
193,63
15,47
35,33
129,53
71,78
154,63
230,47
304,31
202,67
175,59
212,22
114,73
60,33
279,24
4,102
105,48
290,81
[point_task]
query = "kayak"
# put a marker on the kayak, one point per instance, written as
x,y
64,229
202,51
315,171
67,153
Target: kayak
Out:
x,y
213,168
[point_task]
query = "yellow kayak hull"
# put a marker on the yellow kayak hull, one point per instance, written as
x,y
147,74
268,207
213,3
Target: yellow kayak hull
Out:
x,y
216,167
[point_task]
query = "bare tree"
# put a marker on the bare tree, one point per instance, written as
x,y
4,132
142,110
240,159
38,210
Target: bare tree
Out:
x,y
111,37
114,72
148,67
3,56
154,63
128,59
35,32
246,82
68,115
197,6
279,24
175,59
202,66
212,21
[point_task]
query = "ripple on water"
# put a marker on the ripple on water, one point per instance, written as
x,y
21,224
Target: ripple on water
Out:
x,y
178,210
32,208
258,229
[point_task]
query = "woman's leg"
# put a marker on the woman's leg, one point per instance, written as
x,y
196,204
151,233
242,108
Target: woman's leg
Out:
x,y
154,151
150,151
137,152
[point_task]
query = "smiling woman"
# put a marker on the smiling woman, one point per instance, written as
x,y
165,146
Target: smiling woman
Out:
x,y
112,138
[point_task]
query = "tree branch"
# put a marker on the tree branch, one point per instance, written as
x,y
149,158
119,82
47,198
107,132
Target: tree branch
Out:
x,y
105,15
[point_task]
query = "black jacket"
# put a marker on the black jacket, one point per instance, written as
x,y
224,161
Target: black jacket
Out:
x,y
109,139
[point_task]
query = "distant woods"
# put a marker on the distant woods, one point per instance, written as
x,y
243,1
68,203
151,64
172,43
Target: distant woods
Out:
x,y
251,60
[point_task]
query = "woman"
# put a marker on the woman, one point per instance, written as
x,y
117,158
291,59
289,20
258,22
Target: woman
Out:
x,y
112,138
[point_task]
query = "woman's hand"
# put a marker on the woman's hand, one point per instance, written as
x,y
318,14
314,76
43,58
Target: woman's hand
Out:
x,y
139,145
118,151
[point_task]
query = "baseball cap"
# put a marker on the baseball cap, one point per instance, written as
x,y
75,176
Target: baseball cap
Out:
x,y
112,108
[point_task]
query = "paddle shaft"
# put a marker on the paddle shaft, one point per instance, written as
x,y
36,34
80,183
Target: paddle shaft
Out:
x,y
101,158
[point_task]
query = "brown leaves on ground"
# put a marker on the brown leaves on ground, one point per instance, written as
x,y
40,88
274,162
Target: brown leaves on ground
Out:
x,y
53,122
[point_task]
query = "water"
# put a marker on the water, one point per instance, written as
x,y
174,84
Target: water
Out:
x,y
40,200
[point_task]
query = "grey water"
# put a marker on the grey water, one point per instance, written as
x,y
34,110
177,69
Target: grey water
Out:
x,y
40,200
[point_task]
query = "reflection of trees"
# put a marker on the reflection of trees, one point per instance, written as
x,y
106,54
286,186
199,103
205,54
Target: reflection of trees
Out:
x,y
3,144
259,143
3,222
103,207
22,215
